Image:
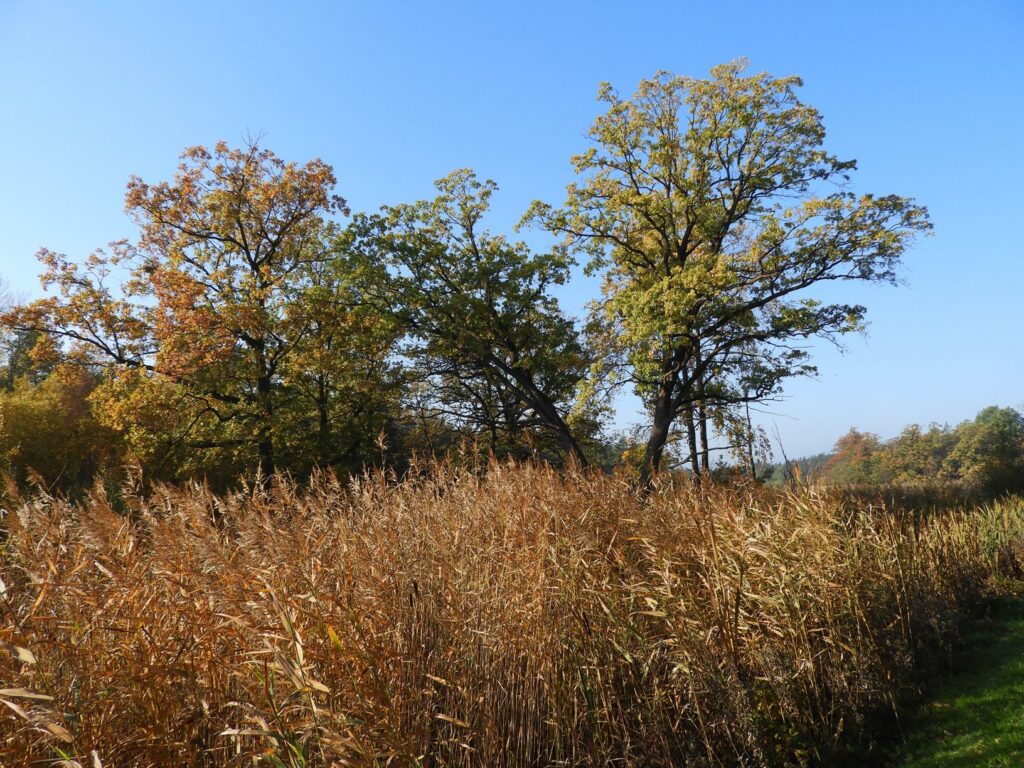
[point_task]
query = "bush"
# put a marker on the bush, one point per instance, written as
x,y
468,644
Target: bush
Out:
x,y
48,431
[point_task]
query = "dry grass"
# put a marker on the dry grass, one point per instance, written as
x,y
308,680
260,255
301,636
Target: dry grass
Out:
x,y
517,618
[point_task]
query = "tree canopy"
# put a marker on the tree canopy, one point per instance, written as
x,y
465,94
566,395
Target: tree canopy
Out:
x,y
250,326
984,455
216,298
712,209
488,345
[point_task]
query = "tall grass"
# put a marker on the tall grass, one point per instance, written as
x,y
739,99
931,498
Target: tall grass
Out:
x,y
518,617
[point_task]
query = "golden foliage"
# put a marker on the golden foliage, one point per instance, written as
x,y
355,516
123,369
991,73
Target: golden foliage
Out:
x,y
49,431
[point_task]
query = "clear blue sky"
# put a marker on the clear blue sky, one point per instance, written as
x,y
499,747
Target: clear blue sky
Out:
x,y
927,96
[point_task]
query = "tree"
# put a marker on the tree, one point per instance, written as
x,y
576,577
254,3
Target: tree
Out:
x,y
47,428
712,210
485,335
988,456
200,334
854,459
915,455
343,382
18,359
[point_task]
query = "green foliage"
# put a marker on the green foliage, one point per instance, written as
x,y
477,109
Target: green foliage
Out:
x,y
916,455
984,456
17,360
988,454
343,383
805,468
488,348
711,209
48,431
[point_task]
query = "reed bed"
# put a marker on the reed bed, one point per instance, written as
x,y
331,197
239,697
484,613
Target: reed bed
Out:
x,y
513,617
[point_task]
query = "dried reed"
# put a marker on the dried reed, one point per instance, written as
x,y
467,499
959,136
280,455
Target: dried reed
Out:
x,y
514,617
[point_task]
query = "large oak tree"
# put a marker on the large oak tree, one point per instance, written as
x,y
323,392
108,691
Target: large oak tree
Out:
x,y
713,211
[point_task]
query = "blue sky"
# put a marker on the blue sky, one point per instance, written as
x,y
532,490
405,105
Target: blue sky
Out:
x,y
927,96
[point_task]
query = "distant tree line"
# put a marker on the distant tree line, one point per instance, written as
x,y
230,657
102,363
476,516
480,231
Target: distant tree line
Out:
x,y
255,324
983,455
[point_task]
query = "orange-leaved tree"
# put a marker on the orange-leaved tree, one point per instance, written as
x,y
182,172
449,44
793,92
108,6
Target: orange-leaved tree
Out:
x,y
195,323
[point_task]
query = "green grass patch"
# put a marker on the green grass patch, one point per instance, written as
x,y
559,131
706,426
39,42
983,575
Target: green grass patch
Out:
x,y
976,719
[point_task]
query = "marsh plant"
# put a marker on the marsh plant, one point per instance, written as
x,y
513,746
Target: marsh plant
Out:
x,y
513,616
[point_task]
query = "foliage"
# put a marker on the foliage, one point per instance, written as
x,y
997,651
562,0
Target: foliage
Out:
x,y
344,383
855,459
489,349
48,431
984,456
200,323
519,617
712,210
989,452
804,468
18,359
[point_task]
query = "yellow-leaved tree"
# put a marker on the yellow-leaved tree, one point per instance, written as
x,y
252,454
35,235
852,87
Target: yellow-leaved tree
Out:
x,y
713,211
202,327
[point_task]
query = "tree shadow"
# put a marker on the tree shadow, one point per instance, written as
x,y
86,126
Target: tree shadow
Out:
x,y
977,719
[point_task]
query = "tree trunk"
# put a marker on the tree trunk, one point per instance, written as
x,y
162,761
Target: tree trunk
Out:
x,y
266,453
568,442
702,412
546,409
691,438
750,444
266,433
705,449
656,441
323,421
